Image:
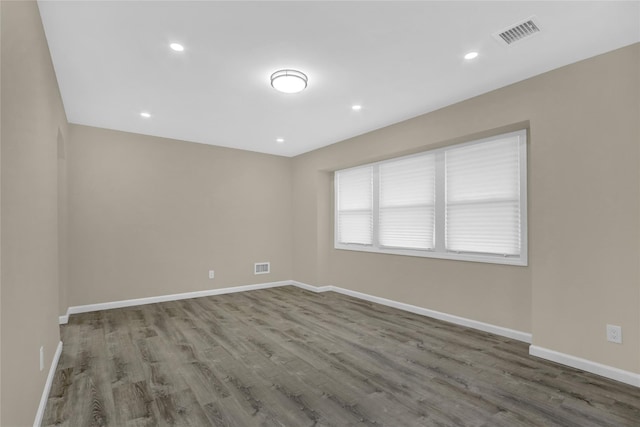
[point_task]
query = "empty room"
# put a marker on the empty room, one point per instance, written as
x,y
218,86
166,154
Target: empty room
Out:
x,y
332,213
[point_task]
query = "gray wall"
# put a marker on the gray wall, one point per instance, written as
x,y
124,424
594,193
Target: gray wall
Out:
x,y
584,212
150,216
32,116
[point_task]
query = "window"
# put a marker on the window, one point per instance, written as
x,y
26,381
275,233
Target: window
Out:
x,y
354,206
465,202
407,203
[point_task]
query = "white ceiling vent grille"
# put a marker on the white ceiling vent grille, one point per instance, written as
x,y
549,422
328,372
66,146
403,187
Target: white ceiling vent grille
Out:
x,y
517,32
261,268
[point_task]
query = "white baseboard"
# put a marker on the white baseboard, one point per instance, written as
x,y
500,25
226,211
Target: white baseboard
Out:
x,y
462,321
47,386
498,330
311,288
486,327
554,356
163,298
606,371
610,372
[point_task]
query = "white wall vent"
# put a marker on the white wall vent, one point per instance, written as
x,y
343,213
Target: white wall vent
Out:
x,y
261,268
519,31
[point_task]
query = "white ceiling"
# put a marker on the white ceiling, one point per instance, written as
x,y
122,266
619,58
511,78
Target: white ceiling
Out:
x,y
397,59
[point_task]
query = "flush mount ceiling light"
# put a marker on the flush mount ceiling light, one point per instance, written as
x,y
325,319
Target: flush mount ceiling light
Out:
x,y
289,81
279,140
145,114
356,107
471,55
177,47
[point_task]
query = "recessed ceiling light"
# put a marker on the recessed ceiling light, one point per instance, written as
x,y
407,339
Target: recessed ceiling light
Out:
x,y
356,107
145,114
280,140
177,47
289,81
471,55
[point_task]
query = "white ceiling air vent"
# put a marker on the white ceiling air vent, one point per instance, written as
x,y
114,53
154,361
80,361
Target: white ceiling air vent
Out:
x,y
517,32
261,268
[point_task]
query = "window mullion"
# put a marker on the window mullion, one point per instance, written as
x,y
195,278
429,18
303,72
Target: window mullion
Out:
x,y
522,168
440,206
376,206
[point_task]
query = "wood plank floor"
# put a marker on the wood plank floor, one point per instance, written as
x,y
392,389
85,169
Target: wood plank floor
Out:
x,y
288,357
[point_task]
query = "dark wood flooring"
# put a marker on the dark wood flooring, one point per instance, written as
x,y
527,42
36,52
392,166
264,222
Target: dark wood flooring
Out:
x,y
288,357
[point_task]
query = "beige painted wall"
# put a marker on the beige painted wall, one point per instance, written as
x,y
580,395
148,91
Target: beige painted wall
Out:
x,y
586,231
32,113
63,229
0,218
150,216
584,213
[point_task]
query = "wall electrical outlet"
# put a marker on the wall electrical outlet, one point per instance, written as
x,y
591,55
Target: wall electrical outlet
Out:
x,y
212,274
41,358
614,334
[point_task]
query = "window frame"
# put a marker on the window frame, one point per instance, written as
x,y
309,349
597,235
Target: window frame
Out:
x,y
439,251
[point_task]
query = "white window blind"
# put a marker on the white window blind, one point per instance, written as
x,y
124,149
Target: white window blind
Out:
x,y
407,202
465,202
354,200
483,197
